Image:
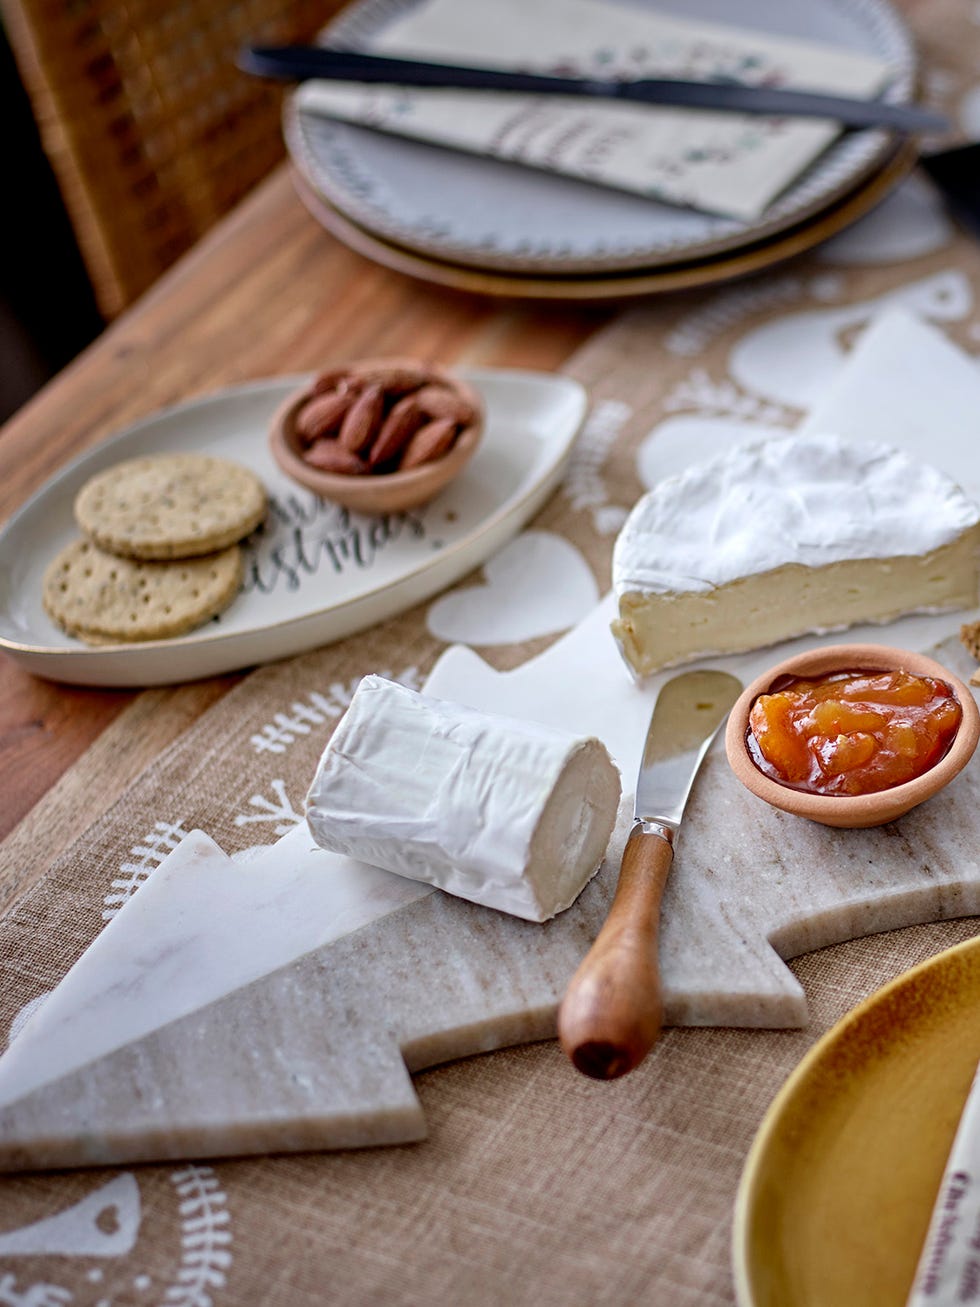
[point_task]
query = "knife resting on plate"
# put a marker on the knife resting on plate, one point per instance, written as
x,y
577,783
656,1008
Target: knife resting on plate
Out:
x,y
301,63
612,1011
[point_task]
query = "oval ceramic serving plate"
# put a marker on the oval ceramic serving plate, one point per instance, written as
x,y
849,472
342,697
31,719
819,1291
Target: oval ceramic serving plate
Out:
x,y
314,572
839,1185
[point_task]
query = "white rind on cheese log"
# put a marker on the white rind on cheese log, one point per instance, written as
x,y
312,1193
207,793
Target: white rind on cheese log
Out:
x,y
502,812
799,534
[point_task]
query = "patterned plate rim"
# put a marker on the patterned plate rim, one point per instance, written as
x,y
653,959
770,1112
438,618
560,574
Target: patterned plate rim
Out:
x,y
613,286
346,184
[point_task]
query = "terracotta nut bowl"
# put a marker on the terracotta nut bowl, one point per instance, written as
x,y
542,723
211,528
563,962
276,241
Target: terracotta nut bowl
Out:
x,y
852,811
367,489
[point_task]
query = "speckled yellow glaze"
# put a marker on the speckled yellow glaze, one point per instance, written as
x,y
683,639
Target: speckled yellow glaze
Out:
x,y
838,1188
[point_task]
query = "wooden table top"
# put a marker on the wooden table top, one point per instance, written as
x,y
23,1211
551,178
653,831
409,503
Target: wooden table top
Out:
x,y
268,291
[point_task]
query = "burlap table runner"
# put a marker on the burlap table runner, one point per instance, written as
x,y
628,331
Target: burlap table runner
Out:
x,y
535,1185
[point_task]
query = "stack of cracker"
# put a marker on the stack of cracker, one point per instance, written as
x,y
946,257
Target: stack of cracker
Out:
x,y
159,554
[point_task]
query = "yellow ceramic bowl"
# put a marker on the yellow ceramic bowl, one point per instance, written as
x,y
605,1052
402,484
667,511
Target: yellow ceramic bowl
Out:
x,y
838,1188
865,809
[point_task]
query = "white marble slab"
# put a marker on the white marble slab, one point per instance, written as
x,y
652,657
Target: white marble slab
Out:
x,y
201,926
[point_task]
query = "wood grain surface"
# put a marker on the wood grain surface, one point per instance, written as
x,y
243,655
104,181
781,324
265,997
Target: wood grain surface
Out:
x,y
266,292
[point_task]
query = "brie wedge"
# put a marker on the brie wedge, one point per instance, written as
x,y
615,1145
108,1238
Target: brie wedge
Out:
x,y
506,813
803,533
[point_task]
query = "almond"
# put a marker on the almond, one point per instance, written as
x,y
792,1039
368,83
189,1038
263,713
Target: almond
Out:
x,y
361,422
331,456
337,379
321,415
396,431
429,443
437,401
396,379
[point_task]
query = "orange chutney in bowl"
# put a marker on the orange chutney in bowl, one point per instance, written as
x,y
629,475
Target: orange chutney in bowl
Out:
x,y
852,732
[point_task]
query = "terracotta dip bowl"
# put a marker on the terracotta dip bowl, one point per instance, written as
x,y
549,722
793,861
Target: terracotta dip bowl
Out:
x,y
384,492
852,810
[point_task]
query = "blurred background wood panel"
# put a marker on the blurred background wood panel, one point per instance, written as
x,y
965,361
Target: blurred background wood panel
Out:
x,y
150,129
47,306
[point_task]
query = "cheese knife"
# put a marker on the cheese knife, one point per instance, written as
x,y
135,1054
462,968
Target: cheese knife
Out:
x,y
297,63
612,1011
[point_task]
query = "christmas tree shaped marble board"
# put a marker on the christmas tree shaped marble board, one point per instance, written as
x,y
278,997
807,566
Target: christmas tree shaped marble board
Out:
x,y
281,1003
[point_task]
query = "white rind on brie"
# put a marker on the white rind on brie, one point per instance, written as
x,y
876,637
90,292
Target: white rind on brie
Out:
x,y
806,533
507,813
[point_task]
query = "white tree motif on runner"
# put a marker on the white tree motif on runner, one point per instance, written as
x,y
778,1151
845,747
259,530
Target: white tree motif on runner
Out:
x,y
35,1295
148,855
205,1238
584,484
285,727
279,810
696,330
303,715
698,391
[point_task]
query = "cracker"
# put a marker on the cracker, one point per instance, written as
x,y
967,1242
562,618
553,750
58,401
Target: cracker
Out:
x,y
98,597
170,506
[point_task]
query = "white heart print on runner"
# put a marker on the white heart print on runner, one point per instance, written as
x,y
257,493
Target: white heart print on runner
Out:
x,y
537,585
681,441
911,223
790,359
104,1224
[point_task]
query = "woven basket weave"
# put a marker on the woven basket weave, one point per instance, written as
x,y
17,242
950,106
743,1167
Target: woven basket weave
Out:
x,y
152,132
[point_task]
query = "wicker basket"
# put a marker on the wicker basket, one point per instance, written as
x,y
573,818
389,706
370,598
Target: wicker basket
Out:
x,y
152,132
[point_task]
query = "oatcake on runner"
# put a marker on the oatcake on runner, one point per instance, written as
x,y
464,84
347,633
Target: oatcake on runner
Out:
x,y
170,506
100,597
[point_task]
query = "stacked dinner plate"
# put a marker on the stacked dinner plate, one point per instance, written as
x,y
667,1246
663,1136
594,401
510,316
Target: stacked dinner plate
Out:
x,y
423,209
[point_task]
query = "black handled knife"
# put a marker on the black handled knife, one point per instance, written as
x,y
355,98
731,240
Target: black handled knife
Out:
x,y
296,63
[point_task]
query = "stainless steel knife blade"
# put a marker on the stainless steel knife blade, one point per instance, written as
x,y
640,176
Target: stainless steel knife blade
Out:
x,y
686,716
300,63
612,1011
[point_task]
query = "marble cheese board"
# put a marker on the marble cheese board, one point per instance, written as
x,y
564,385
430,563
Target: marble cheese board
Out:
x,y
176,1041
354,977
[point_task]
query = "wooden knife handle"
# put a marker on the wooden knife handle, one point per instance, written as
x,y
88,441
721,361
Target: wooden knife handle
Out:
x,y
612,1012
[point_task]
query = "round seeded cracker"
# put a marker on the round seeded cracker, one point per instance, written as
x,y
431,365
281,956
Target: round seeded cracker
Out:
x,y
100,597
170,506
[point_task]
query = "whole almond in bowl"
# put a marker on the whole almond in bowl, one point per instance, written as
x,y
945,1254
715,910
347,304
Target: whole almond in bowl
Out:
x,y
378,435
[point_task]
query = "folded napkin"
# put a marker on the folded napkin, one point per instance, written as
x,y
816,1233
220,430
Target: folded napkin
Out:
x,y
723,163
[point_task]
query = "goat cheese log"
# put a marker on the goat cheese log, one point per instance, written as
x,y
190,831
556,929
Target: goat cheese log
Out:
x,y
506,813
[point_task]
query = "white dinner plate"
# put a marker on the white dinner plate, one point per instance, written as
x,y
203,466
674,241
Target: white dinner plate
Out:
x,y
496,215
314,572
